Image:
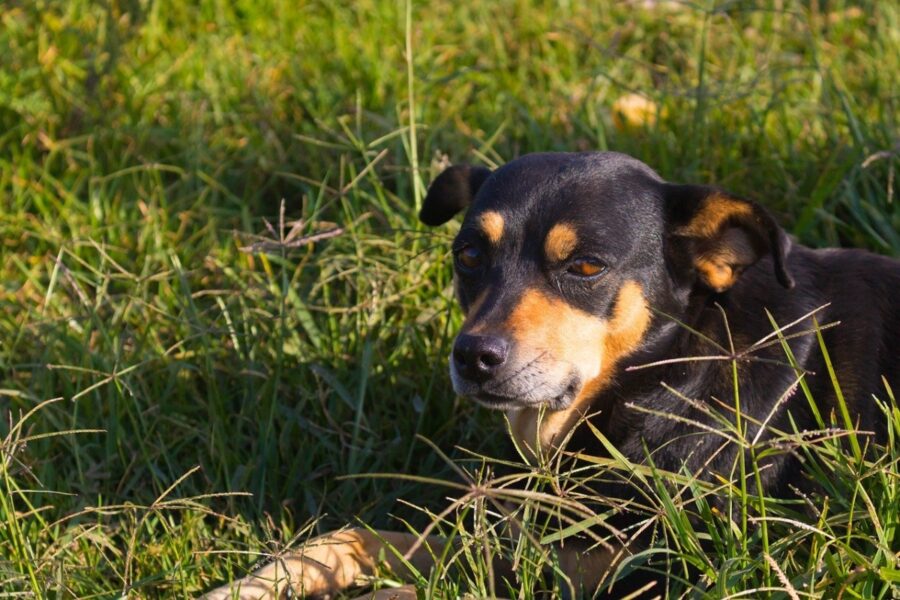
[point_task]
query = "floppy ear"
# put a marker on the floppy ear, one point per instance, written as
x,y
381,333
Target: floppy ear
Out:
x,y
452,191
723,234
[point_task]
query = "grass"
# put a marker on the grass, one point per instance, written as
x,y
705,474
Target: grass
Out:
x,y
174,407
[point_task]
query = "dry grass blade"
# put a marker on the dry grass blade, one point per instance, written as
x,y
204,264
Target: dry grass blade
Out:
x,y
275,245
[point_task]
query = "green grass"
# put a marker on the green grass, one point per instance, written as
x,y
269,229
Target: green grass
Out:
x,y
150,369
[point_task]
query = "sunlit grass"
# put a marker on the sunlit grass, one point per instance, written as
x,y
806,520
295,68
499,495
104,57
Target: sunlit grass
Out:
x,y
150,368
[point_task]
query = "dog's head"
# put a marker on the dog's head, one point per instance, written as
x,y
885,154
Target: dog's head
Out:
x,y
560,258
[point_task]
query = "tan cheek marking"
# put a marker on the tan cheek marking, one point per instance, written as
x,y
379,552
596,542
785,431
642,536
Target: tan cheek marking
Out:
x,y
560,242
491,223
606,344
631,318
715,211
545,325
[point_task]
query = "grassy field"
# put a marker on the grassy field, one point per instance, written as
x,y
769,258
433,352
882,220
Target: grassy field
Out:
x,y
174,408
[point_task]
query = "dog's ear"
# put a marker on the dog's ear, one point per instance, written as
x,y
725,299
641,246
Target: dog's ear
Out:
x,y
720,235
452,191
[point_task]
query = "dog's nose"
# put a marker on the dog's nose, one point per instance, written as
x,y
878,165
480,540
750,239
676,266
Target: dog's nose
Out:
x,y
479,356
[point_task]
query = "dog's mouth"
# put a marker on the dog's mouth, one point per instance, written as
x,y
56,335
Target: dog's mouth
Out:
x,y
524,384
554,401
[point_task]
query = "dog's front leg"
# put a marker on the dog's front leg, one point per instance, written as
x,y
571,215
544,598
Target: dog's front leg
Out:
x,y
333,562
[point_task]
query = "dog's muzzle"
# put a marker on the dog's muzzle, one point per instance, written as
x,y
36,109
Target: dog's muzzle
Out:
x,y
485,369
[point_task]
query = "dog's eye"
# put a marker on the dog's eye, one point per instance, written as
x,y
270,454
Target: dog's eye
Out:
x,y
586,267
469,258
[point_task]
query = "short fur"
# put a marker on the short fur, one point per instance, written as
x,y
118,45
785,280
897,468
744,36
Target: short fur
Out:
x,y
541,338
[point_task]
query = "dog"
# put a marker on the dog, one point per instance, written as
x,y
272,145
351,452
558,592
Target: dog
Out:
x,y
586,280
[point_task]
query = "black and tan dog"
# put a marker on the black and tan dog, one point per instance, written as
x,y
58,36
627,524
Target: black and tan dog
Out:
x,y
572,267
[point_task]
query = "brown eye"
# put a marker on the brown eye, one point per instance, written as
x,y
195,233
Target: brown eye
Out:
x,y
469,258
586,267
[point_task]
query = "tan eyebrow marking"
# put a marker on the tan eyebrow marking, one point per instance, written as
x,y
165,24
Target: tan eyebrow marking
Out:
x,y
560,242
491,223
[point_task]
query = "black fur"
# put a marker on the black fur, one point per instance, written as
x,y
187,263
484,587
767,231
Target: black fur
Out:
x,y
451,192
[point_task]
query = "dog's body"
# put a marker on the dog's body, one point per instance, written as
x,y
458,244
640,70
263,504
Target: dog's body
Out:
x,y
573,269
